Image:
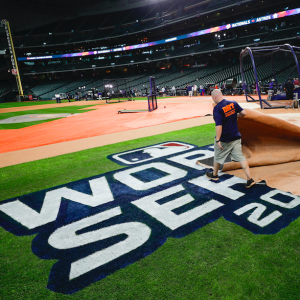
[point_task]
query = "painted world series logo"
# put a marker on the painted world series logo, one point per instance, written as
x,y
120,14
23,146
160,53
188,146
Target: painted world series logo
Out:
x,y
98,225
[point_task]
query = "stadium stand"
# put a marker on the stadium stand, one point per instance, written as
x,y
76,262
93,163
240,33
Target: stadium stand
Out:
x,y
283,34
42,89
215,74
170,63
3,89
117,24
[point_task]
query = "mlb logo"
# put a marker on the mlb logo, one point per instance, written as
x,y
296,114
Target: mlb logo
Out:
x,y
150,153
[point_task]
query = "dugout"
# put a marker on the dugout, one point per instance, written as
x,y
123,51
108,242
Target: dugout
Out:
x,y
152,100
117,90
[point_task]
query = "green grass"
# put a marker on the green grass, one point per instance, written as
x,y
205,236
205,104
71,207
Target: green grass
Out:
x,y
219,261
55,110
33,103
27,103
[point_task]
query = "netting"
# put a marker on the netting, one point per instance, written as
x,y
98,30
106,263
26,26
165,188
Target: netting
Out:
x,y
152,86
266,70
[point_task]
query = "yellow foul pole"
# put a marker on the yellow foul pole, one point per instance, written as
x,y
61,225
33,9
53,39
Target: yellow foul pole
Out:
x,y
13,56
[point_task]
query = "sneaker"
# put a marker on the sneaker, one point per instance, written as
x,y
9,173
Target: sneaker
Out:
x,y
211,175
250,183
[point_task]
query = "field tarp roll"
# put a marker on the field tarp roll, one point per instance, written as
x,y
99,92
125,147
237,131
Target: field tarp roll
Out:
x,y
267,140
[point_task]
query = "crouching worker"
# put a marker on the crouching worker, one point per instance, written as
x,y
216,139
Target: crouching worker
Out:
x,y
228,137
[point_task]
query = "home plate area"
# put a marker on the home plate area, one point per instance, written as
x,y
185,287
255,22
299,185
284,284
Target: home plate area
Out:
x,y
97,225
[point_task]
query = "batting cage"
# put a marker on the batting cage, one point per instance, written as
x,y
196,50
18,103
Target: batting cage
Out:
x,y
117,90
266,71
152,100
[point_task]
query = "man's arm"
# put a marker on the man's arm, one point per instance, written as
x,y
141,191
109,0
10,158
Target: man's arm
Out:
x,y
241,114
218,136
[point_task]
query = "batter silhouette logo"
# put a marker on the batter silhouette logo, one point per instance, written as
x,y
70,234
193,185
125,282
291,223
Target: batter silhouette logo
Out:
x,y
98,225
